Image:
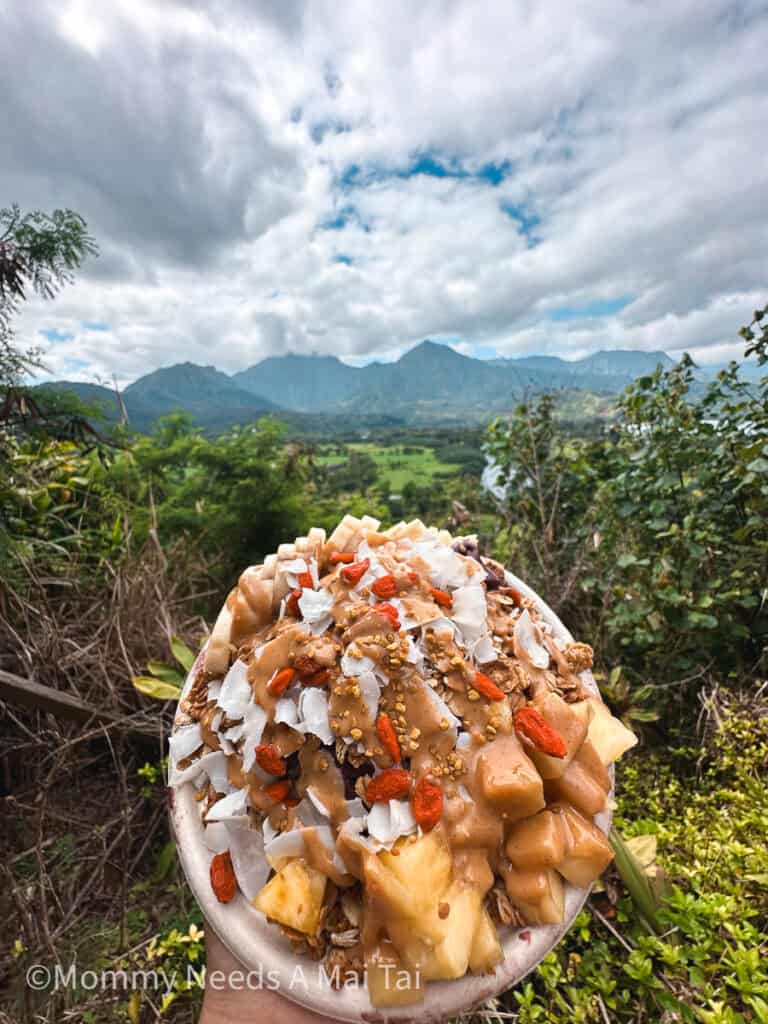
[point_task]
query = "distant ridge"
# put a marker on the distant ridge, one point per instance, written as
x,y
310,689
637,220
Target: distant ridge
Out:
x,y
430,382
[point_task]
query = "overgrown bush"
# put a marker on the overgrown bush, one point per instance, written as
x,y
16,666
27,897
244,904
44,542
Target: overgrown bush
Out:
x,y
652,541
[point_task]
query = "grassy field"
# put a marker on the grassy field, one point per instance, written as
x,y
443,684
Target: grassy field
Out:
x,y
397,464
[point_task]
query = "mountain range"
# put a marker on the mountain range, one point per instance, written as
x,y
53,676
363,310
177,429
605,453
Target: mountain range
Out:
x,y
429,383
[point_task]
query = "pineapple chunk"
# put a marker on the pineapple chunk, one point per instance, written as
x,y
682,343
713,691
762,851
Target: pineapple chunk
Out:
x,y
610,737
538,842
294,897
448,957
538,895
217,652
590,852
585,783
423,864
390,983
415,530
570,721
486,950
412,906
509,780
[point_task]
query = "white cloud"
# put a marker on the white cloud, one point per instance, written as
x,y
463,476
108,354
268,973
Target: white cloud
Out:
x,y
206,146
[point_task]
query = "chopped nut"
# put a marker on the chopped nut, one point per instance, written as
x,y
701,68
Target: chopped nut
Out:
x,y
473,695
443,910
356,734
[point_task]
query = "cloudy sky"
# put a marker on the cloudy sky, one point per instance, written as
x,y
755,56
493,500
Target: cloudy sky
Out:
x,y
350,177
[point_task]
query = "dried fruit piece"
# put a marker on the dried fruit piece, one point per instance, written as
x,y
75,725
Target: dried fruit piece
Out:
x,y
269,759
278,791
441,597
414,577
354,573
292,603
280,683
485,685
385,586
427,804
391,613
530,724
305,580
388,737
305,666
319,678
391,784
223,881
341,557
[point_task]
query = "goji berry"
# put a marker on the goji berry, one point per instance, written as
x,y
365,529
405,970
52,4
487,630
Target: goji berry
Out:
x,y
539,732
485,685
414,577
223,880
341,557
385,586
391,784
427,804
354,573
441,597
305,666
280,683
304,579
319,678
388,737
278,791
391,613
269,759
292,603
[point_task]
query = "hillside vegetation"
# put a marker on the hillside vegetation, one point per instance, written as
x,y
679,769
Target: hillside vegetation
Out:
x,y
650,540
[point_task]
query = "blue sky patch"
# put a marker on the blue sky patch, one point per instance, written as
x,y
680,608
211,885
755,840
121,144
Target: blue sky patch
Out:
x,y
55,335
596,308
343,258
94,325
527,220
428,164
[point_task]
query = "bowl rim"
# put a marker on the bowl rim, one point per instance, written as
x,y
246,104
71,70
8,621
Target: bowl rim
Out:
x,y
261,948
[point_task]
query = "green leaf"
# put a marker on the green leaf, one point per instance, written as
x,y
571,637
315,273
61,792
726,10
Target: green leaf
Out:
x,y
634,878
182,653
156,688
167,673
624,561
165,861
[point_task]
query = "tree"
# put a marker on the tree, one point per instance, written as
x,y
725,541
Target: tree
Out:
x,y
38,252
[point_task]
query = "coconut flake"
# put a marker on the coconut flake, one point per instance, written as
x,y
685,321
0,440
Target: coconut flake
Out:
x,y
463,741
269,832
231,806
447,569
470,611
214,689
184,742
352,666
313,714
355,808
388,821
217,837
211,766
286,711
246,848
318,803
527,647
370,691
253,727
442,708
315,606
235,691
483,650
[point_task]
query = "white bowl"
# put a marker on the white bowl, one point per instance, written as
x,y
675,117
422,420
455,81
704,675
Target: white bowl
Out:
x,y
261,947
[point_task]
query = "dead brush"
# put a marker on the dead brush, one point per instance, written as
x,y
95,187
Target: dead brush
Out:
x,y
79,828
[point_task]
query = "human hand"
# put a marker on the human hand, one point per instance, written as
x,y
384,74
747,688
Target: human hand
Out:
x,y
234,1003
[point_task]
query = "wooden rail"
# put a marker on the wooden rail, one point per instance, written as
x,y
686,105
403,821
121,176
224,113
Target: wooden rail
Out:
x,y
28,693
